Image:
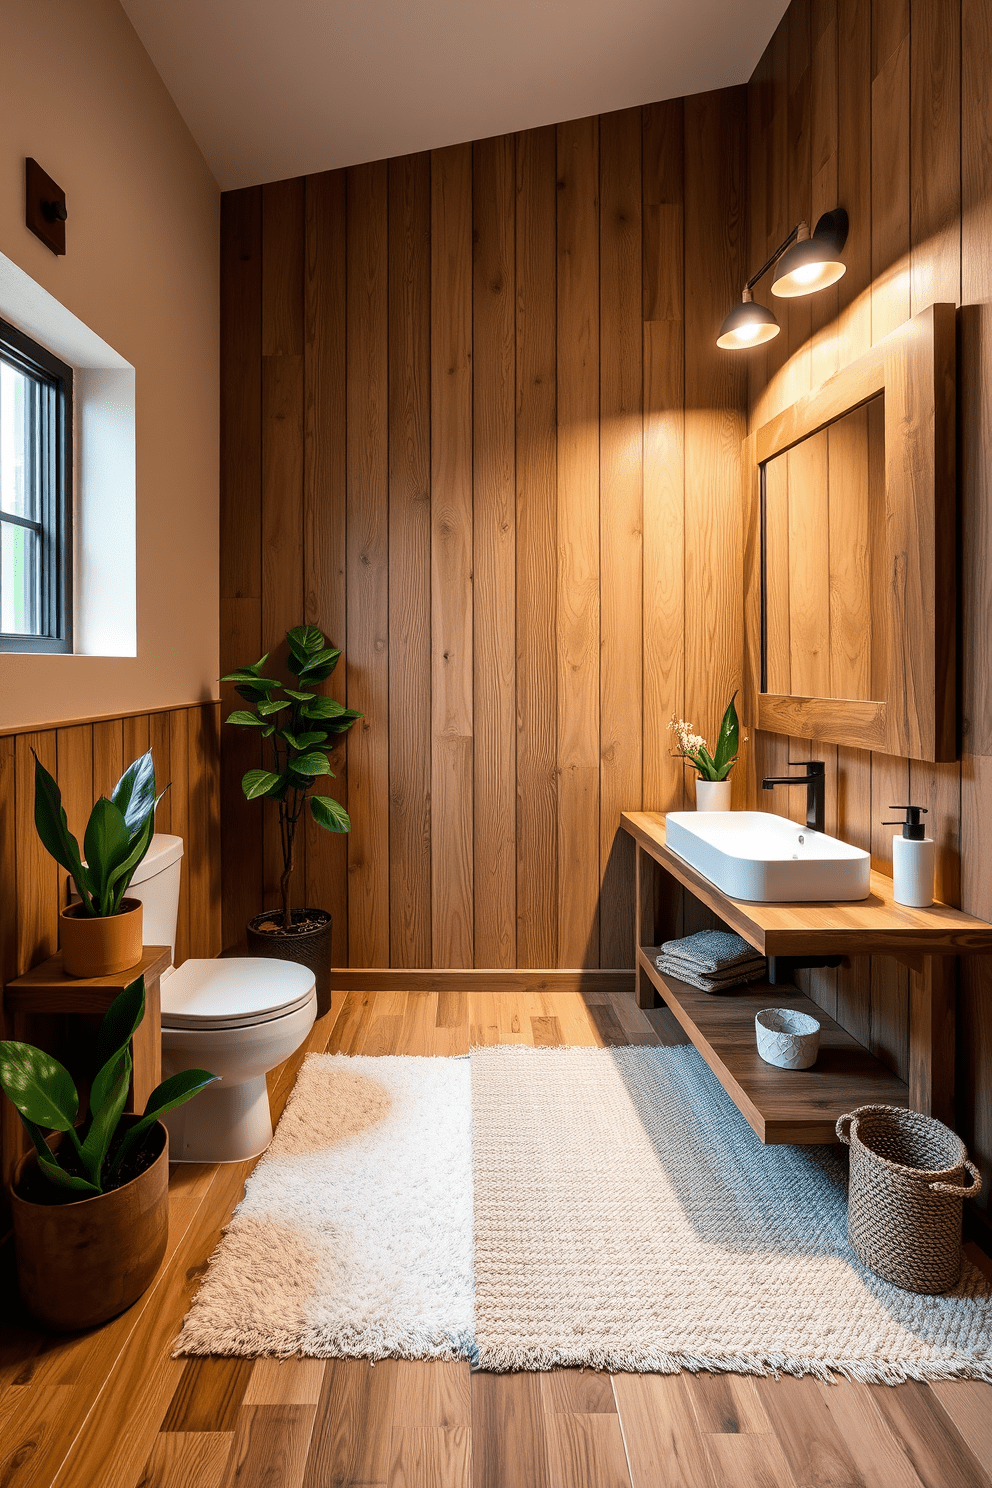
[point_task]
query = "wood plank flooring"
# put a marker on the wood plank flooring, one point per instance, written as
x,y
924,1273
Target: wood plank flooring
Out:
x,y
111,1408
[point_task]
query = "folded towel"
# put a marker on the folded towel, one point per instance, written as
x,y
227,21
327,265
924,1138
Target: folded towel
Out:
x,y
710,950
676,966
739,977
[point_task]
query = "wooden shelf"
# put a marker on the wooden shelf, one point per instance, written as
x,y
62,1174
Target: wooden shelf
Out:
x,y
795,1106
873,925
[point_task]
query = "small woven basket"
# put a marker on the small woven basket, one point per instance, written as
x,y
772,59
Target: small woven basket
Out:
x,y
905,1195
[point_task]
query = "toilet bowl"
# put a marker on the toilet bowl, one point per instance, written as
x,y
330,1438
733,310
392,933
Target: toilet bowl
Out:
x,y
237,1018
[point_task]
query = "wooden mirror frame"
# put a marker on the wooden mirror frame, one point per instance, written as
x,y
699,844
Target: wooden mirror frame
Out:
x,y
915,369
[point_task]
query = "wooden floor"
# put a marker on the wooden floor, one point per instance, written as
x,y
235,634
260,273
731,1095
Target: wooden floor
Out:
x,y
111,1409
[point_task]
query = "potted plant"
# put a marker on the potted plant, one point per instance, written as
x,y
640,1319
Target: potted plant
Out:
x,y
713,786
100,935
298,723
90,1203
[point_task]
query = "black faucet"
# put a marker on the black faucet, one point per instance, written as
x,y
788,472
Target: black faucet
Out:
x,y
815,782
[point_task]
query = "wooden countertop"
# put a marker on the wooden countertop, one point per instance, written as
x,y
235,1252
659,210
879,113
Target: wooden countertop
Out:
x,y
47,989
875,924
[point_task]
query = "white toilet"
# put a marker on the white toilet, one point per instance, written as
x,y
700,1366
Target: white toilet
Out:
x,y
238,1018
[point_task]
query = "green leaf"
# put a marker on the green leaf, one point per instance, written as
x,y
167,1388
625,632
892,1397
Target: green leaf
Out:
x,y
62,1179
165,1097
251,694
121,876
120,1023
250,676
328,657
268,732
324,707
727,743
704,764
134,793
301,697
244,718
256,783
106,845
330,814
306,639
53,829
39,1086
267,709
343,722
105,1119
305,741
316,763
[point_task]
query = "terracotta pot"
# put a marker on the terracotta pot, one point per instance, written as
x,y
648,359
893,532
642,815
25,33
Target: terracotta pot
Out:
x,y
95,946
79,1264
712,795
310,947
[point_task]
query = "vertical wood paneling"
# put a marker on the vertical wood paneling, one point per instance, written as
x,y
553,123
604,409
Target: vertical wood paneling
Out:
x,y
74,753
975,395
38,876
367,567
714,392
536,547
410,560
664,449
914,169
620,522
179,759
203,837
108,756
493,466
578,543
283,262
160,743
240,543
325,509
494,546
451,556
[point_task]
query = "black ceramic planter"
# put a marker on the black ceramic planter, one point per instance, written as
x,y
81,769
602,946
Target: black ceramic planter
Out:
x,y
308,944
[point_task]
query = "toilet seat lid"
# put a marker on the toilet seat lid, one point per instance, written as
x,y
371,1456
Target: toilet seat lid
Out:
x,y
233,992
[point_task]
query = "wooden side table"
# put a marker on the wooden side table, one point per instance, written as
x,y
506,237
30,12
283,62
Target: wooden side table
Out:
x,y
46,989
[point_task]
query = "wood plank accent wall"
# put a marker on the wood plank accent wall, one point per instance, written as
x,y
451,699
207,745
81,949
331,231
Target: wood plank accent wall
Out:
x,y
881,107
475,426
87,760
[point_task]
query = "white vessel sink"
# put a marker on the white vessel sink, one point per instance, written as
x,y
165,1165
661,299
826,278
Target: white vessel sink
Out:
x,y
768,859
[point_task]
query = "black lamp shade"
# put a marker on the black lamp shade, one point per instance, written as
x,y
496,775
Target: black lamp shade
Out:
x,y
748,324
813,263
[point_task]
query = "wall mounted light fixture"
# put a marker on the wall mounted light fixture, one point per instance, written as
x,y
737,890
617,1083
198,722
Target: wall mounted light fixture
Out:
x,y
802,264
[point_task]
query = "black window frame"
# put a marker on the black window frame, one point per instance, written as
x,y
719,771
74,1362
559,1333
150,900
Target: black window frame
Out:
x,y
55,527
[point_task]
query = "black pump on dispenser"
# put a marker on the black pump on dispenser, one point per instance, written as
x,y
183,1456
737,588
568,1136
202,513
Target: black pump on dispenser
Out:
x,y
912,859
912,828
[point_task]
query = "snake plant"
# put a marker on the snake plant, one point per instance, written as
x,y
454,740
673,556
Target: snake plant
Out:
x,y
118,834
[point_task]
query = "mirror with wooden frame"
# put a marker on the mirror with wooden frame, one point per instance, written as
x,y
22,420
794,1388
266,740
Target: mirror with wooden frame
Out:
x,y
850,531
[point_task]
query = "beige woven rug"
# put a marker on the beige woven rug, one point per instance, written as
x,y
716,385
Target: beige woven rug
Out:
x,y
627,1218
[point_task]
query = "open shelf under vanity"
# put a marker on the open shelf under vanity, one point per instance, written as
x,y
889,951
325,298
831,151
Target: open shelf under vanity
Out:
x,y
801,1106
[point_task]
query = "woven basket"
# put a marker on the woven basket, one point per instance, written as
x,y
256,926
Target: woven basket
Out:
x,y
905,1195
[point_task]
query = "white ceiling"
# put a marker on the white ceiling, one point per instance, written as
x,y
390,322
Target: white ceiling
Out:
x,y
277,88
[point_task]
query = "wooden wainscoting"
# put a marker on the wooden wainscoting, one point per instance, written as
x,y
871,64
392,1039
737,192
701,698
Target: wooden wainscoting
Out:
x,y
88,759
475,426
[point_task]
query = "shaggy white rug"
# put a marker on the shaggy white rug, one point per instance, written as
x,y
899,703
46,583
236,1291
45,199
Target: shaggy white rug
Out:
x,y
628,1218
354,1237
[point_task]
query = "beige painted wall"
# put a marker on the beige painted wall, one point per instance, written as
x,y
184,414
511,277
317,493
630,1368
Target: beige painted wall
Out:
x,y
78,92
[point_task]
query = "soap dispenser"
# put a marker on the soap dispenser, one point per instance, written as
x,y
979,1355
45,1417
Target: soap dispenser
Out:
x,y
912,860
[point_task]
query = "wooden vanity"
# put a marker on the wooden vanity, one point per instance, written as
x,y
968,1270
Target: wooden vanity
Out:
x,y
801,1106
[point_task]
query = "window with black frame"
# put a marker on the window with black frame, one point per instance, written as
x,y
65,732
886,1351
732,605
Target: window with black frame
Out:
x,y
35,496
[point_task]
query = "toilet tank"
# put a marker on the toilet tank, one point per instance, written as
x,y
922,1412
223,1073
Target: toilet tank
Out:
x,y
156,884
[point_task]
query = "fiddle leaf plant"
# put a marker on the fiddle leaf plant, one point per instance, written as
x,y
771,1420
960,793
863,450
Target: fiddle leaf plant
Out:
x,y
94,1149
118,834
299,723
